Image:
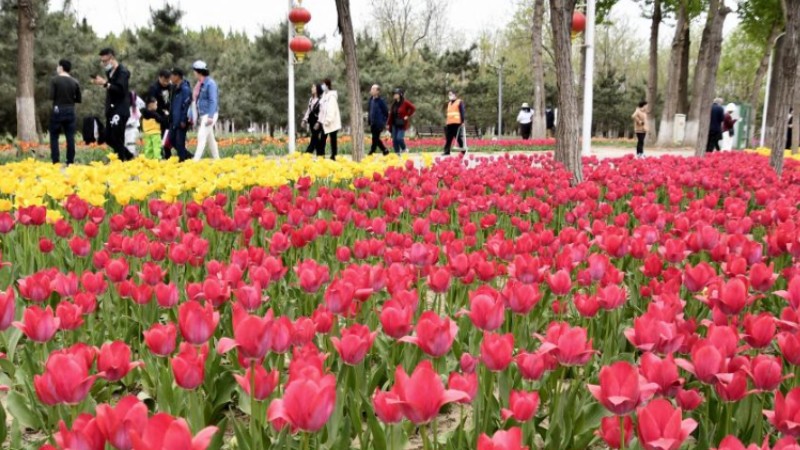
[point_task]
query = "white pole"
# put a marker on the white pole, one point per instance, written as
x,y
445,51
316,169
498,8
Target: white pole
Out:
x,y
766,94
290,118
500,99
588,83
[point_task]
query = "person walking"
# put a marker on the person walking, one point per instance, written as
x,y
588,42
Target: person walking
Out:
x,y
206,110
525,121
330,117
639,117
376,118
65,92
715,127
180,101
152,122
399,119
550,121
455,119
789,130
161,90
118,102
728,124
311,118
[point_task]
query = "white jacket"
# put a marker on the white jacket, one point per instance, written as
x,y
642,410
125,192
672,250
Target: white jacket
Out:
x,y
329,114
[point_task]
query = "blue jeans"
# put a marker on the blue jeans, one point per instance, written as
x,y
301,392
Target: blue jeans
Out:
x,y
63,118
398,139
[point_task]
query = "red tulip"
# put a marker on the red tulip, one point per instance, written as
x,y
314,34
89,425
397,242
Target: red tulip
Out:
x,y
519,297
732,387
250,297
396,319
311,275
354,343
189,365
197,323
281,335
84,435
439,280
611,297
762,276
497,351
792,292
39,325
689,400
94,283
118,423
662,372
786,415
569,345
533,365
759,330
560,283
387,407
65,285
80,247
435,334
733,297
36,288
323,319
610,433
117,270
466,383
502,440
115,361
468,363
526,269
65,380
766,372
69,316
46,245
252,335
307,403
164,432
160,339
422,395
522,406
621,389
790,347
662,427
707,362
487,311
339,296
697,278
8,303
265,382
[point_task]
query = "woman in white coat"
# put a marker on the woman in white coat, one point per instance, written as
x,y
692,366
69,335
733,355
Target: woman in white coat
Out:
x,y
330,117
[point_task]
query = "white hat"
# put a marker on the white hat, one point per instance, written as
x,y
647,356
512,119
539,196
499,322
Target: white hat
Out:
x,y
525,105
200,65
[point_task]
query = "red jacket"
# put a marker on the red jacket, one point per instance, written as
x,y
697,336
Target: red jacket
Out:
x,y
406,109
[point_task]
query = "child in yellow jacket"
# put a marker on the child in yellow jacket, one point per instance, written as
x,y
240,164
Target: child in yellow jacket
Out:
x,y
151,126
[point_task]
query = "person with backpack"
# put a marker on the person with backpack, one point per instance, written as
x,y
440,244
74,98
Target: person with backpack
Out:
x,y
118,101
179,104
399,119
65,92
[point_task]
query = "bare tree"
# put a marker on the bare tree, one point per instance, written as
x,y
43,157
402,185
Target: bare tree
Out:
x,y
652,78
705,77
405,25
786,82
26,83
539,130
351,67
671,92
568,151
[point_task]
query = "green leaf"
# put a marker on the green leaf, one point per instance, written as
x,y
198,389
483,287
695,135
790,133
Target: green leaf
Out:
x,y
241,434
3,426
217,440
19,408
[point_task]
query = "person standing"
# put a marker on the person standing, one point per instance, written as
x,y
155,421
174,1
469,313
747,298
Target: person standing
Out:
x,y
152,122
180,101
377,117
311,118
455,119
715,127
728,124
525,120
550,120
206,101
640,127
330,117
399,119
65,93
161,90
118,102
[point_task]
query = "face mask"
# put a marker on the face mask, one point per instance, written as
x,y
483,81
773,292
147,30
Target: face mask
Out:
x,y
324,88
108,66
452,97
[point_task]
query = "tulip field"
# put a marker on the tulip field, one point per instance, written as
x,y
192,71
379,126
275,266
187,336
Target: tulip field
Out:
x,y
478,303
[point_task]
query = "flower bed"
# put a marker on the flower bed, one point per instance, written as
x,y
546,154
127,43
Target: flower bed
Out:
x,y
333,306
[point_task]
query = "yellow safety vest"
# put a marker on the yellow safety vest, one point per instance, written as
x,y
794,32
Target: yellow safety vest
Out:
x,y
454,112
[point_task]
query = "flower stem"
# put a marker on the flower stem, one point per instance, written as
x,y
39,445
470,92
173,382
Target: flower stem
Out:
x,y
254,433
426,445
622,432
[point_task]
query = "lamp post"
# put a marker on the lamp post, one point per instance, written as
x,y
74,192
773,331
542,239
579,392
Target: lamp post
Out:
x,y
766,94
299,46
499,69
588,81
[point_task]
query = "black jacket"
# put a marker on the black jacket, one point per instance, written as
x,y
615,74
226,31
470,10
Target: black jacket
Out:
x,y
717,117
118,98
162,95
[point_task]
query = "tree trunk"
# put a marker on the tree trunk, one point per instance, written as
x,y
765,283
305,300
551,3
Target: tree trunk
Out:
x,y
790,54
652,78
26,105
351,66
761,72
706,77
539,130
672,89
796,135
683,87
568,151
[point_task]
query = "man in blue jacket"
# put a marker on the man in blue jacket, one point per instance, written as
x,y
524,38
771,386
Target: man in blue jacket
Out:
x,y
378,114
206,99
715,128
179,115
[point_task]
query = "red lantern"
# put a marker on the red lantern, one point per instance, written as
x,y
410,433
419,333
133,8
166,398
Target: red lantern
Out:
x,y
301,45
299,16
578,22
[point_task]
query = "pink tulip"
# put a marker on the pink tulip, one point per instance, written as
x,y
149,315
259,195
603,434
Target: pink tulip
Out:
x,y
422,395
662,427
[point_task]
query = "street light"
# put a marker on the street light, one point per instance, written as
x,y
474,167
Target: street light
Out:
x,y
766,94
299,46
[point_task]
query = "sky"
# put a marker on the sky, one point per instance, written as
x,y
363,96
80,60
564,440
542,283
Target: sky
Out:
x,y
471,17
